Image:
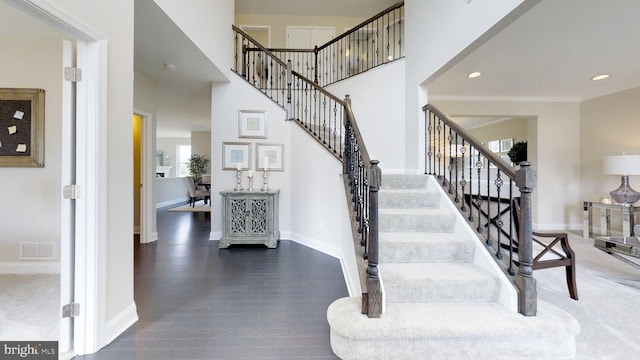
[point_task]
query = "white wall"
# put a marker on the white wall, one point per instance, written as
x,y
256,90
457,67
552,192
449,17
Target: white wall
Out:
x,y
437,32
169,146
201,144
208,24
556,136
227,100
319,213
609,125
31,197
380,114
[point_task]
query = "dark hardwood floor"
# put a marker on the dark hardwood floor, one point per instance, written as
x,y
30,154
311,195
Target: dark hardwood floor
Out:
x,y
196,301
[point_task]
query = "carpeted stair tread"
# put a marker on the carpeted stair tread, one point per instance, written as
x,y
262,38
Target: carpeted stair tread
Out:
x,y
450,331
438,282
415,220
408,247
403,198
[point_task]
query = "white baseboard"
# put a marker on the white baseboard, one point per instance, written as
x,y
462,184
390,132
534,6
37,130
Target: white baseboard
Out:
x,y
172,202
318,245
121,322
152,237
30,267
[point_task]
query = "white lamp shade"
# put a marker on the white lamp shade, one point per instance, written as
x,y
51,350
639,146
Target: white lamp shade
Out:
x,y
622,165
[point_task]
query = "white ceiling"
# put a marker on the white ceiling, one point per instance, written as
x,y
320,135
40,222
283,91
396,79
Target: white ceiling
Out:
x,y
553,51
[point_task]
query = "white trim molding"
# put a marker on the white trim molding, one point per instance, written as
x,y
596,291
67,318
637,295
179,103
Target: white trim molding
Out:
x,y
120,323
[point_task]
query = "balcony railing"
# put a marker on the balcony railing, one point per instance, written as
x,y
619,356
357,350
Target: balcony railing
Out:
x,y
376,41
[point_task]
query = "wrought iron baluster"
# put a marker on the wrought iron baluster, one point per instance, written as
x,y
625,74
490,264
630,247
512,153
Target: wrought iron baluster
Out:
x,y
450,165
479,163
463,182
498,221
511,270
488,201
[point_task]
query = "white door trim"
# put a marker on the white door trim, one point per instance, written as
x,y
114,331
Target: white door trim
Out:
x,y
91,105
147,173
259,27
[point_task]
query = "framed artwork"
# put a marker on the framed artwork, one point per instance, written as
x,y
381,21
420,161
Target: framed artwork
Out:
x,y
270,156
506,145
494,145
21,127
252,124
236,156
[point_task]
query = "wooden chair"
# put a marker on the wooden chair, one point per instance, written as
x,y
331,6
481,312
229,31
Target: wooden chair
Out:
x,y
194,193
548,241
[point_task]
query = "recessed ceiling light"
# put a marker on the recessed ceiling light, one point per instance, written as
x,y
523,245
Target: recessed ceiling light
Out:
x,y
170,67
474,75
600,77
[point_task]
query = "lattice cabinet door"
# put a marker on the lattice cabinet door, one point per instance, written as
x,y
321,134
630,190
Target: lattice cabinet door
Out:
x,y
250,217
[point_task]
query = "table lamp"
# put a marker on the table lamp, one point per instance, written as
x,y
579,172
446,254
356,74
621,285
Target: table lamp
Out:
x,y
624,165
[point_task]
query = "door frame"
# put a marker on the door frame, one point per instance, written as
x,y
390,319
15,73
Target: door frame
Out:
x,y
89,255
148,232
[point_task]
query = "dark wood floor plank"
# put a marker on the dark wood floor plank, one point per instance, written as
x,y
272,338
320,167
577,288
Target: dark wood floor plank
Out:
x,y
196,301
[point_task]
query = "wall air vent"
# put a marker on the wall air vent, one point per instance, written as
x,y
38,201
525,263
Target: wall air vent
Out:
x,y
37,251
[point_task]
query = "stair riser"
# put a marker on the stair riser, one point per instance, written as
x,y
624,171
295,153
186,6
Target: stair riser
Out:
x,y
483,346
410,200
439,290
437,223
424,251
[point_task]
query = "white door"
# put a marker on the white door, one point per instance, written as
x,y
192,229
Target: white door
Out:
x,y
67,227
307,37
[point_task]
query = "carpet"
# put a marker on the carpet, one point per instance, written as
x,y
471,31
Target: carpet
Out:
x,y
199,207
29,307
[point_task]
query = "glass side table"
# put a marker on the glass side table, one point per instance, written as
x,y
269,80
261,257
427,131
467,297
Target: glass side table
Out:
x,y
627,213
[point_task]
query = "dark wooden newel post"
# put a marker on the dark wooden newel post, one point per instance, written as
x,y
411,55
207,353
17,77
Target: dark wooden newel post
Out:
x,y
527,301
373,279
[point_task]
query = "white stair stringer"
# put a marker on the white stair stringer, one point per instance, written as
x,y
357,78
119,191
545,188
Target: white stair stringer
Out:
x,y
445,297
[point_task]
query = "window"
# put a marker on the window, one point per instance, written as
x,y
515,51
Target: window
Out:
x,y
184,153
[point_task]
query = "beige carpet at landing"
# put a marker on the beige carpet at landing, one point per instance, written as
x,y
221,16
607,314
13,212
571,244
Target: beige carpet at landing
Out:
x,y
29,307
608,310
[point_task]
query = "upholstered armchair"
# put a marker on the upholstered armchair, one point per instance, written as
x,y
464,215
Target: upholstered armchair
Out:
x,y
196,194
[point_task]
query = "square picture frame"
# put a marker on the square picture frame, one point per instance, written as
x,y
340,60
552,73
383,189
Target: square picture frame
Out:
x,y
274,153
22,135
506,145
236,156
252,124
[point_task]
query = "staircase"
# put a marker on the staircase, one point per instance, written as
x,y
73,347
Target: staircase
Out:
x,y
445,297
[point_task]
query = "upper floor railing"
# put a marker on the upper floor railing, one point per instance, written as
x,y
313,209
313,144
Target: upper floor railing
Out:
x,y
484,188
374,42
